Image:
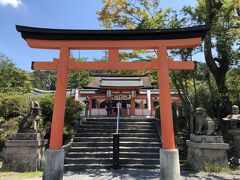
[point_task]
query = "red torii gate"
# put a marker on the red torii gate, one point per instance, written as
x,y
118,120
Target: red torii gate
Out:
x,y
113,40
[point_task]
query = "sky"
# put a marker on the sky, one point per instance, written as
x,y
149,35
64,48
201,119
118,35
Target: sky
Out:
x,y
70,14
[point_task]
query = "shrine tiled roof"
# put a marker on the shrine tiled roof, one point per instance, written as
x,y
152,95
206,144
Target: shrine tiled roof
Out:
x,y
120,82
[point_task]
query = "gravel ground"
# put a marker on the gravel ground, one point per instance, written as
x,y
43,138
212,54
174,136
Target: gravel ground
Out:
x,y
134,174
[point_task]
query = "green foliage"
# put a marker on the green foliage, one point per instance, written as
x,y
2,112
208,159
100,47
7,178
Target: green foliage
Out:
x,y
216,168
13,104
12,78
78,79
46,104
72,113
7,129
45,80
20,175
233,83
141,14
221,44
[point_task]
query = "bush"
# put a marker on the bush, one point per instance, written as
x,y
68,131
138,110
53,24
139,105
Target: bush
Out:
x,y
7,129
13,104
72,114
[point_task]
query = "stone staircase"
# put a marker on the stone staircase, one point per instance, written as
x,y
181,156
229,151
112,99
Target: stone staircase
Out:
x,y
92,145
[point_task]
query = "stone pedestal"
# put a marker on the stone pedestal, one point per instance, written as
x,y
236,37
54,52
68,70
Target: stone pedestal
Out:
x,y
206,150
24,152
169,164
236,145
54,164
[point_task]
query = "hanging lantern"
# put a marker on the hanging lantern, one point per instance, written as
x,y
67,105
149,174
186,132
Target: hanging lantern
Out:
x,y
109,93
133,93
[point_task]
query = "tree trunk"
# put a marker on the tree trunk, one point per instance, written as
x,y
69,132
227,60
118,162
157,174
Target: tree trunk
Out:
x,y
187,104
219,72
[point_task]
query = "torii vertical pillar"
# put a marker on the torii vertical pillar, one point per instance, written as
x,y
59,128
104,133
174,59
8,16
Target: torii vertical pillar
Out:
x,y
54,156
169,158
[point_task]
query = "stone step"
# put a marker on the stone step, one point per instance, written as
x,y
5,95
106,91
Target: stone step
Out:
x,y
104,134
123,144
110,155
122,161
139,155
139,130
114,123
114,119
92,145
152,161
121,149
121,126
88,160
92,149
77,167
142,149
110,139
140,166
90,155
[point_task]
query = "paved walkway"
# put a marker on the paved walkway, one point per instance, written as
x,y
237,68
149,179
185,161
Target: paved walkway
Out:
x,y
137,174
134,174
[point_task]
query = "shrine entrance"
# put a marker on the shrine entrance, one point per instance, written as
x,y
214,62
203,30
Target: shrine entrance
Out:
x,y
113,41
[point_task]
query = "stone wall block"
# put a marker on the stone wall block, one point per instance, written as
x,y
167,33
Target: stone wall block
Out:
x,y
11,150
24,152
201,154
7,159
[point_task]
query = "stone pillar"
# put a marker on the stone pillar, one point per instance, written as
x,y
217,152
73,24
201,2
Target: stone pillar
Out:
x,y
236,145
149,103
206,150
169,164
132,106
54,164
24,152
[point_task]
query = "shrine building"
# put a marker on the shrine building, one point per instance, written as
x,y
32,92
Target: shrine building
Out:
x,y
131,91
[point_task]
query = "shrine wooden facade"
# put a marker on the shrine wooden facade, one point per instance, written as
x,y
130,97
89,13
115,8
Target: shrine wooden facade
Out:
x,y
131,91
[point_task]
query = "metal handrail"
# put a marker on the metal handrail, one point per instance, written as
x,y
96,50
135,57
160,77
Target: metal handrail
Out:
x,y
118,115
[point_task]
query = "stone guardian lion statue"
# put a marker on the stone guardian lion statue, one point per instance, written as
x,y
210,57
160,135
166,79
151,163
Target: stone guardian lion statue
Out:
x,y
204,124
29,122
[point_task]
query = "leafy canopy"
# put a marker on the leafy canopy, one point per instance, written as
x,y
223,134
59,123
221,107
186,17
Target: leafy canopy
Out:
x,y
13,78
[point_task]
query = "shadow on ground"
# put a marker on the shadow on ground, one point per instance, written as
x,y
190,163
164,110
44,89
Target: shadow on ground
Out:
x,y
102,174
209,176
143,174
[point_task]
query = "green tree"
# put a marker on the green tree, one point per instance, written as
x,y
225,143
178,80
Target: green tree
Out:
x,y
233,84
13,78
223,19
45,80
72,114
147,14
219,51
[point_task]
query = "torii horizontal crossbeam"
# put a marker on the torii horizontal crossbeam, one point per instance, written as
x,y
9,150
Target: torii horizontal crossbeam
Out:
x,y
151,65
106,44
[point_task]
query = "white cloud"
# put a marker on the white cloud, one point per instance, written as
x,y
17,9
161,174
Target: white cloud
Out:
x,y
14,3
